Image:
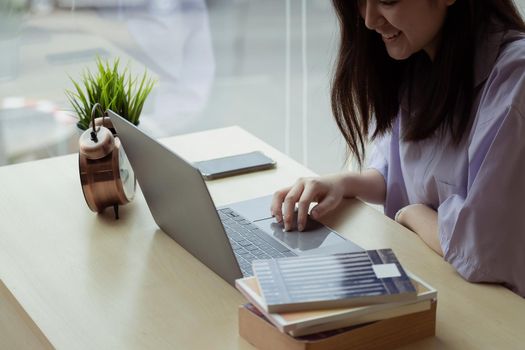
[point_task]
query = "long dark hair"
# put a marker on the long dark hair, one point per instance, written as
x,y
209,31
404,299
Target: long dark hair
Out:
x,y
368,83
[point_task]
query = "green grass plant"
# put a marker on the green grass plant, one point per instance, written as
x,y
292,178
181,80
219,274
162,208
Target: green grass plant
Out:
x,y
113,88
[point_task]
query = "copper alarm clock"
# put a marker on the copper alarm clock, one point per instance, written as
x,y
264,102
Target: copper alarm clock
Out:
x,y
105,172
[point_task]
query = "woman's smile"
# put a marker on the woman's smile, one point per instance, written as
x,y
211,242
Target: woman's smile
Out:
x,y
390,37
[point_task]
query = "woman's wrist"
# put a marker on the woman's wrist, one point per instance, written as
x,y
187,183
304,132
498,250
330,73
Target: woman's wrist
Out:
x,y
368,186
350,182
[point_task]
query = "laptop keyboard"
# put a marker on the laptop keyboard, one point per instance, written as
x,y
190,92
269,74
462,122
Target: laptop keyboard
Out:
x,y
249,242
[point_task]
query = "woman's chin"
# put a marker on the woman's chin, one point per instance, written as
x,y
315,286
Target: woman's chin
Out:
x,y
399,55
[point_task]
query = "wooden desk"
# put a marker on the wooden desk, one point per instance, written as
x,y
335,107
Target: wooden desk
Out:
x,y
91,282
18,331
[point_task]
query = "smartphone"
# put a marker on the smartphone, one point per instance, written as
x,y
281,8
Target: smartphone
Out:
x,y
233,165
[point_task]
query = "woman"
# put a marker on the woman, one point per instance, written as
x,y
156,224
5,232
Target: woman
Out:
x,y
440,85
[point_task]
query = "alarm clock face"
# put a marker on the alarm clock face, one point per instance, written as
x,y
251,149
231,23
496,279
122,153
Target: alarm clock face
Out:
x,y
127,176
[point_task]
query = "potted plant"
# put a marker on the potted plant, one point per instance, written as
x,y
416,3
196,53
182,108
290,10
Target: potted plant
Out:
x,y
11,22
113,89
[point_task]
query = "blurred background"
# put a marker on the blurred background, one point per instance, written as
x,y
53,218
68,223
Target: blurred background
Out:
x,y
263,65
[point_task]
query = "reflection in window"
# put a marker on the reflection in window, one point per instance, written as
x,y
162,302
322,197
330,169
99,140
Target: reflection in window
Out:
x,y
218,63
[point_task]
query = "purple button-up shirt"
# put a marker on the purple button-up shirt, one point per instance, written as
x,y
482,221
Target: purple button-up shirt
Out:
x,y
478,187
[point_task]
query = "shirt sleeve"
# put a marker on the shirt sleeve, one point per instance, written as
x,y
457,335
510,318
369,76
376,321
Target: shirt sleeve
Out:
x,y
379,155
482,234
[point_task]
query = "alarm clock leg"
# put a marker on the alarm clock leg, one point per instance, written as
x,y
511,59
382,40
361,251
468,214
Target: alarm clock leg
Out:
x,y
115,208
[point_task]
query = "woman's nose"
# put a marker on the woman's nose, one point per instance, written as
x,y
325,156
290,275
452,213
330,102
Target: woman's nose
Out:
x,y
372,16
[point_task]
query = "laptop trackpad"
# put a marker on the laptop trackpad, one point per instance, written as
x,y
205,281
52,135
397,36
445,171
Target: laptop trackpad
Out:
x,y
315,235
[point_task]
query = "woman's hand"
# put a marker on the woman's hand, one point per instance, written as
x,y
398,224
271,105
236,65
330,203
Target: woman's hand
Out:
x,y
423,221
327,191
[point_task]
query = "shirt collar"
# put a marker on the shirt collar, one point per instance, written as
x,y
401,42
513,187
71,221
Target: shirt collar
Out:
x,y
486,54
489,50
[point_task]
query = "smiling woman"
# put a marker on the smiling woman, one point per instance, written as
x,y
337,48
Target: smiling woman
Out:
x,y
440,86
406,27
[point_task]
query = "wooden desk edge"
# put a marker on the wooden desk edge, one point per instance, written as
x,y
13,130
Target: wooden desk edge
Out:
x,y
21,314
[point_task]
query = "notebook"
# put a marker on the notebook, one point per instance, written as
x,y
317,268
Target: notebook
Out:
x,y
309,322
330,281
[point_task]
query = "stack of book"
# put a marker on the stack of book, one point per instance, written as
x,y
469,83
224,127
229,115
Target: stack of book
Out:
x,y
309,300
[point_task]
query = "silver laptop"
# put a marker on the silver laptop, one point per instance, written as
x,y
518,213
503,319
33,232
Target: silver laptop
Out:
x,y
226,239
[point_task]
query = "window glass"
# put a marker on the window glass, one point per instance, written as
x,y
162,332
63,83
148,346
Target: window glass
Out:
x,y
262,65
